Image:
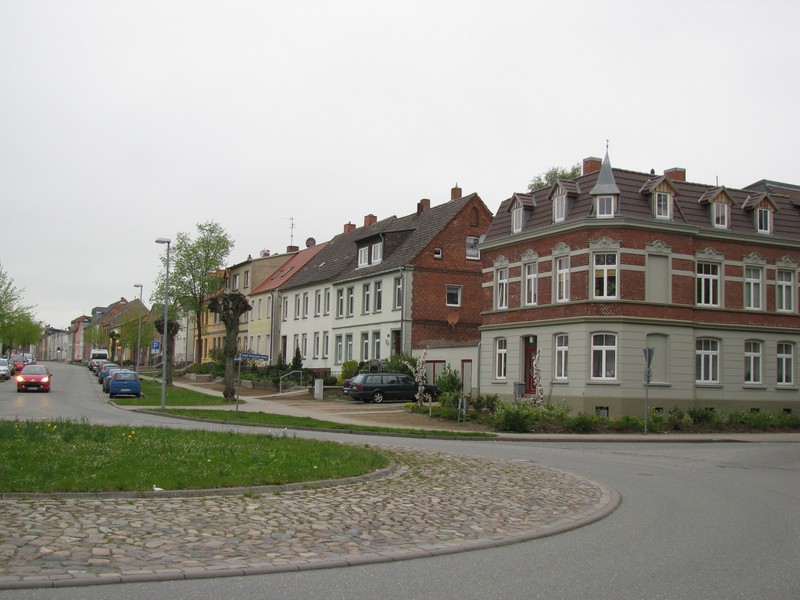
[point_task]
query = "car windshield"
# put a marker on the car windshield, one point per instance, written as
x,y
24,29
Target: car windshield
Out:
x,y
34,370
3,362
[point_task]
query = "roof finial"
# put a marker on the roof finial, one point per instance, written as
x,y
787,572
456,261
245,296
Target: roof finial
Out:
x,y
606,145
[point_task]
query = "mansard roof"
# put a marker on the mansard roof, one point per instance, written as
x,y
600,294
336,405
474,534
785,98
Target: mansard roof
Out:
x,y
636,190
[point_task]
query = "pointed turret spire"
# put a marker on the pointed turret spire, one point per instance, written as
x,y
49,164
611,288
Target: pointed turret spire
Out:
x,y
605,186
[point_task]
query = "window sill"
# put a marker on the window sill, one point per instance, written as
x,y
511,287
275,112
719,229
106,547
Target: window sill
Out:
x,y
786,388
708,384
602,382
754,386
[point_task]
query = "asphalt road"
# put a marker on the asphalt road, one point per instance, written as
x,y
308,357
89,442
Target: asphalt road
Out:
x,y
709,520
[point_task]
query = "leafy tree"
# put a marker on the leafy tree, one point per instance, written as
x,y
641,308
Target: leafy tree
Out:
x,y
230,308
23,331
194,271
13,315
553,174
95,336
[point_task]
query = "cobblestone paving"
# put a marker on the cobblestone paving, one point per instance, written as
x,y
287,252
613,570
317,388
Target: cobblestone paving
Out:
x,y
431,503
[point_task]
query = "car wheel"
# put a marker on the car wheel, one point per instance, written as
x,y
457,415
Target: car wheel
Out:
x,y
427,397
377,397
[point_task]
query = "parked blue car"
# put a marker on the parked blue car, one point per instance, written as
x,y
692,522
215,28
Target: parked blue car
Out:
x,y
124,383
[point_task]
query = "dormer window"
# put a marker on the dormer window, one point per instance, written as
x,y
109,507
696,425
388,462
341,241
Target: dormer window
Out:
x,y
370,254
363,256
559,208
663,205
516,217
720,215
377,252
764,220
605,207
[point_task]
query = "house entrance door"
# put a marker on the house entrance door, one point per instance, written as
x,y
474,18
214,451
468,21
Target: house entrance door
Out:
x,y
530,352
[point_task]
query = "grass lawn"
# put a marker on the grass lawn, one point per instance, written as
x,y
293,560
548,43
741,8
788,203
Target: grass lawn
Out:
x,y
175,396
260,418
70,456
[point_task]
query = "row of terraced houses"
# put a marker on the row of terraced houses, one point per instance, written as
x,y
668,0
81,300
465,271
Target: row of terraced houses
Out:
x,y
578,278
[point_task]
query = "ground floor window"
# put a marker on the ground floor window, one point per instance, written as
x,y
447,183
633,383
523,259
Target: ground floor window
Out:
x,y
562,355
752,362
604,356
785,367
501,361
707,361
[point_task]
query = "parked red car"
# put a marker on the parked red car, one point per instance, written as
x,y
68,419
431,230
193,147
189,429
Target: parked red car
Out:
x,y
34,377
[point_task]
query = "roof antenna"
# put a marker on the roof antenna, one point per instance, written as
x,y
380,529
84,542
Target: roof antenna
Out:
x,y
291,229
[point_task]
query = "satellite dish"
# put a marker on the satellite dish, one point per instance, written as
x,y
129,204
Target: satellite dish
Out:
x,y
453,317
311,242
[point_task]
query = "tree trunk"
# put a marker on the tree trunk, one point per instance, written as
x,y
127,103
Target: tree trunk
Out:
x,y
231,339
198,331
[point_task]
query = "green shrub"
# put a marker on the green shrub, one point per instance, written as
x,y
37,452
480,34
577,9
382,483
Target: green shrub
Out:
x,y
485,404
628,423
396,363
349,370
515,417
656,421
449,399
705,417
449,381
584,423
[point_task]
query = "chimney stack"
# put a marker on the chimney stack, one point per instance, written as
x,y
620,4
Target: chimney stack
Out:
x,y
675,174
348,227
290,249
370,220
422,205
455,193
591,164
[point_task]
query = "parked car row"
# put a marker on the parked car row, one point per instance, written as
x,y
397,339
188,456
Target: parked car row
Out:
x,y
118,381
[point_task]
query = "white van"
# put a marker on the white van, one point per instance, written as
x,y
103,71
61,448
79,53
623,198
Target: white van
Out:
x,y
97,355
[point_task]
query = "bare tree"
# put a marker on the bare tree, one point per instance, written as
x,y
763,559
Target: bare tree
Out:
x,y
230,307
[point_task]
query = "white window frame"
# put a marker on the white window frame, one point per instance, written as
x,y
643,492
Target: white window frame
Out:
x,y
561,268
351,301
339,303
784,290
378,297
326,338
752,362
398,292
258,309
339,350
719,215
327,304
753,287
604,357
316,344
304,346
559,208
376,345
366,290
365,346
501,359
377,252
285,315
363,256
606,207
305,305
472,248
605,275
784,368
663,205
516,217
531,272
706,361
348,346
453,295
501,288
562,357
317,302
763,220
707,283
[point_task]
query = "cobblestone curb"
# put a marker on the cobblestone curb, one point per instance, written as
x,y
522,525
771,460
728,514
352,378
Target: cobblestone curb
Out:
x,y
430,504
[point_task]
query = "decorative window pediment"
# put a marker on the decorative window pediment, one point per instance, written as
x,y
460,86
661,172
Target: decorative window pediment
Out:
x,y
658,247
605,243
561,248
501,261
529,255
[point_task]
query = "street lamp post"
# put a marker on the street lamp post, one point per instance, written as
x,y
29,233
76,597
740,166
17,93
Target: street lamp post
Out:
x,y
165,337
139,329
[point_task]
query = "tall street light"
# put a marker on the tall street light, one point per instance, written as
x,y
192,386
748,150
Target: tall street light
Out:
x,y
139,331
165,337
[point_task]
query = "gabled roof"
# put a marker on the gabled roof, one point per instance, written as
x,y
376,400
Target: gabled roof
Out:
x,y
288,269
526,200
711,195
753,200
404,238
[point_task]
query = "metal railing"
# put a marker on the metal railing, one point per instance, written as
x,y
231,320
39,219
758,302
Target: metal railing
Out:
x,y
280,383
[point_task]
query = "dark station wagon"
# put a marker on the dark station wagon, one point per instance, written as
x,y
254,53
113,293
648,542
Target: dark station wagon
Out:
x,y
377,387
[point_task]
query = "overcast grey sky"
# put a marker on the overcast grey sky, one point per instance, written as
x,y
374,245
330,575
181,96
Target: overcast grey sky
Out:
x,y
121,122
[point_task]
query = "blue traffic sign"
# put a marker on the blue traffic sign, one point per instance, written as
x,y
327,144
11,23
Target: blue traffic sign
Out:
x,y
156,346
254,356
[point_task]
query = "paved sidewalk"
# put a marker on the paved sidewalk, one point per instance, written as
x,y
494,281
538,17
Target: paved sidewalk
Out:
x,y
427,504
